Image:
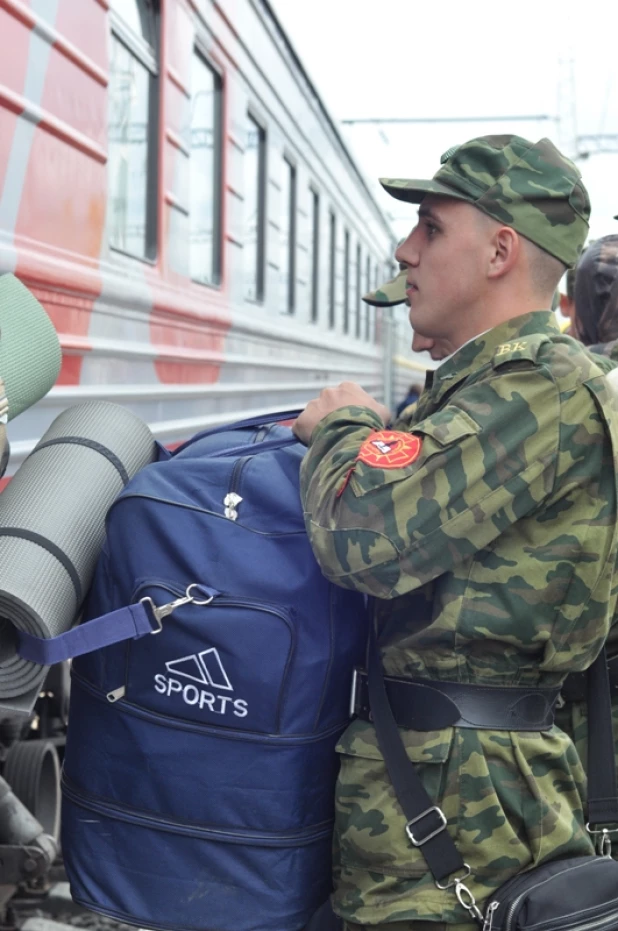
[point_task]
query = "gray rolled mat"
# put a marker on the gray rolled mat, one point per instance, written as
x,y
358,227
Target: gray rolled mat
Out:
x,y
52,526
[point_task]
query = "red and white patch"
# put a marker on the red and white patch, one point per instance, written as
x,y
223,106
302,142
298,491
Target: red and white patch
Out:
x,y
388,449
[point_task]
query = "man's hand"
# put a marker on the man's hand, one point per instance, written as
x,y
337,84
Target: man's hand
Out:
x,y
331,399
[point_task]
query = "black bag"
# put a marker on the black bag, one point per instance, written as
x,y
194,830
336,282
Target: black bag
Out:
x,y
563,895
575,894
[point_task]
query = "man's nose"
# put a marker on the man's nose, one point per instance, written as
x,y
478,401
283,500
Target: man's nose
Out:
x,y
407,252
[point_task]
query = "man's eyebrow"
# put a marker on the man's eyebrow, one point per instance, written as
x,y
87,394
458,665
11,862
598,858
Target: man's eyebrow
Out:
x,y
427,213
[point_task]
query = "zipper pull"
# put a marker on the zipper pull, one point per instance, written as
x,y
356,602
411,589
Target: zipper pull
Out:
x,y
231,502
489,915
116,694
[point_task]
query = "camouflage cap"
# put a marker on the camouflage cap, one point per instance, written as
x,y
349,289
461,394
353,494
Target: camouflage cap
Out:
x,y
390,293
528,186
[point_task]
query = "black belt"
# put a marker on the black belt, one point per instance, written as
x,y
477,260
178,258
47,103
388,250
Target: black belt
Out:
x,y
428,705
575,685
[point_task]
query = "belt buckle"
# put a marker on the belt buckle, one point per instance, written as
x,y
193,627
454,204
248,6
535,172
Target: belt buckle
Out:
x,y
352,708
432,834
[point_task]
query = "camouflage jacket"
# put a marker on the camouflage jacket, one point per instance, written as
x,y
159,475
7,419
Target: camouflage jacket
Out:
x,y
607,350
490,546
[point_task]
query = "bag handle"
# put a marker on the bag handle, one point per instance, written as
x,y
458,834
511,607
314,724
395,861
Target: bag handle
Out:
x,y
263,447
128,623
260,420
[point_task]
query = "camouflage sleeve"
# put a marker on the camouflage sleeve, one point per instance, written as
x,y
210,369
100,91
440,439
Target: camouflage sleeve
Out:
x,y
486,459
603,362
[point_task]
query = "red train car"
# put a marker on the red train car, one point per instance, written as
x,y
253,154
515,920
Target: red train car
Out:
x,y
174,191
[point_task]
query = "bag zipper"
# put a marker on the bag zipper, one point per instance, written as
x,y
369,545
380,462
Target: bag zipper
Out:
x,y
242,601
195,727
145,819
195,507
232,498
594,924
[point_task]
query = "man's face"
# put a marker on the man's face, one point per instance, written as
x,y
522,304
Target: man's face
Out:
x,y
438,349
446,255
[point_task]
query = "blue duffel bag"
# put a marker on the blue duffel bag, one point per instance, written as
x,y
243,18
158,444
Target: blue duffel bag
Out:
x,y
200,762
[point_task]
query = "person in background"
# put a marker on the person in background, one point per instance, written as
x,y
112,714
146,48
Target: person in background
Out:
x,y
596,297
594,316
567,301
414,392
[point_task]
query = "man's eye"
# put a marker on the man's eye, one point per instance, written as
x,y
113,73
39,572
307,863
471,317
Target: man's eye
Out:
x,y
431,229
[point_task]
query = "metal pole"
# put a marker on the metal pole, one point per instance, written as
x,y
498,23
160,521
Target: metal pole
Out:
x,y
387,359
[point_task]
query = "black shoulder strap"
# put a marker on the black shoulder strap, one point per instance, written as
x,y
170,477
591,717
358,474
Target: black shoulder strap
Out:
x,y
426,824
602,788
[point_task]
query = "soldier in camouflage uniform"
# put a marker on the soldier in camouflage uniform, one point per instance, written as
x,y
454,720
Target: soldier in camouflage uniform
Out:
x,y
485,525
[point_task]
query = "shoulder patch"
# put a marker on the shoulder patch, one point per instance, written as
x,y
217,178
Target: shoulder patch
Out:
x,y
390,449
525,348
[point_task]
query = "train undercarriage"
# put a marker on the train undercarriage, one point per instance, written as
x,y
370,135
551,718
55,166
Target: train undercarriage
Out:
x,y
31,751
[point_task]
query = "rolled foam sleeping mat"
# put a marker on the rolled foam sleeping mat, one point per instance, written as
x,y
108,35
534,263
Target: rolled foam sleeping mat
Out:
x,y
52,526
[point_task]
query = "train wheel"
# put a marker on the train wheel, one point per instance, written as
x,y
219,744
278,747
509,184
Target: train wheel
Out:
x,y
32,769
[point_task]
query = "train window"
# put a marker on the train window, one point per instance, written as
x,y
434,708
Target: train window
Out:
x,y
288,238
368,308
205,200
359,292
138,15
255,204
132,128
314,246
346,283
332,271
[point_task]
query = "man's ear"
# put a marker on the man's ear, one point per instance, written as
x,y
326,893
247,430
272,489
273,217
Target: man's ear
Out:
x,y
505,246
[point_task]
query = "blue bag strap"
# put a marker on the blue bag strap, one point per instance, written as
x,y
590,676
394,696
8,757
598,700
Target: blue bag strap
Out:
x,y
131,622
261,420
127,623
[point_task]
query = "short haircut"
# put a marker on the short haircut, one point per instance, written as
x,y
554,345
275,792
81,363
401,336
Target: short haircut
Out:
x,y
545,270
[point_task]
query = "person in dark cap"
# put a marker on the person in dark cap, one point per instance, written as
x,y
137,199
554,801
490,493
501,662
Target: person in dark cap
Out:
x,y
596,297
595,323
455,522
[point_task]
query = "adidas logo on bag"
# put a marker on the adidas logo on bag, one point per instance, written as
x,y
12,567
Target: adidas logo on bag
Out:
x,y
206,669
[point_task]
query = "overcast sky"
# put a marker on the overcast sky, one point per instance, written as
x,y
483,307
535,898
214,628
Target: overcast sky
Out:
x,y
448,58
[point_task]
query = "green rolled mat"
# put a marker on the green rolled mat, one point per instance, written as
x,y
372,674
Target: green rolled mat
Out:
x,y
52,526
30,354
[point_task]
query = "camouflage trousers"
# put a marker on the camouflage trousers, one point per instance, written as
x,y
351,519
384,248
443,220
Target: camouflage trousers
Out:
x,y
411,926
